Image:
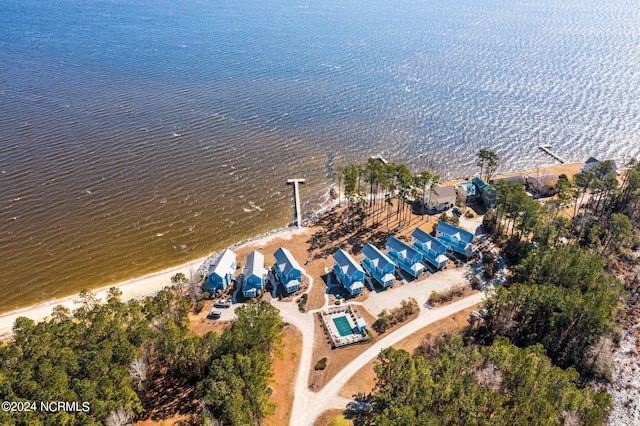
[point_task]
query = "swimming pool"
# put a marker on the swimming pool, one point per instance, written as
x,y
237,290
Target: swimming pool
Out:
x,y
469,188
342,324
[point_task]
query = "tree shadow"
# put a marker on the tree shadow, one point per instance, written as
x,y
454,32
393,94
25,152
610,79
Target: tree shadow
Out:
x,y
169,395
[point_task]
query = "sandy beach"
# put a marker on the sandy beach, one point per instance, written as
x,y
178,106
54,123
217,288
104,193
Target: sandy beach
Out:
x,y
136,287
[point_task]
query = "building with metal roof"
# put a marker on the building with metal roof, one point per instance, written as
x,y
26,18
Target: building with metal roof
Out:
x,y
348,271
432,250
253,274
378,265
405,256
288,270
487,192
221,272
456,239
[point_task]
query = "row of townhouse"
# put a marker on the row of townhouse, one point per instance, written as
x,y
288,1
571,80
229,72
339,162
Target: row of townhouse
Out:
x,y
382,267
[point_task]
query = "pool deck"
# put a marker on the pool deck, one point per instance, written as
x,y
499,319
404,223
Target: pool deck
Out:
x,y
332,317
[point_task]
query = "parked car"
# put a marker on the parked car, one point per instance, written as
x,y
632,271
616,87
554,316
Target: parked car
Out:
x,y
457,211
214,315
222,303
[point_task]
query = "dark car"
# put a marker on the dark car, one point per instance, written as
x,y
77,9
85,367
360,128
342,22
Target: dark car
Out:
x,y
213,315
457,211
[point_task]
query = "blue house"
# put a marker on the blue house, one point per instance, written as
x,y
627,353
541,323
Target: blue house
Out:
x,y
288,270
378,265
405,256
432,250
349,272
221,272
253,275
456,239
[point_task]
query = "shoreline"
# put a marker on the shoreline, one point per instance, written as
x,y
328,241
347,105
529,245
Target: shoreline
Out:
x,y
153,282
140,287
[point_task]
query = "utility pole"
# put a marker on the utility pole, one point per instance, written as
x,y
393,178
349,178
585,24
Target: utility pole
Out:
x,y
296,199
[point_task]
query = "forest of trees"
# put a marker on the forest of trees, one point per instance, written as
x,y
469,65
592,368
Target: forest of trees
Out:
x,y
115,355
500,384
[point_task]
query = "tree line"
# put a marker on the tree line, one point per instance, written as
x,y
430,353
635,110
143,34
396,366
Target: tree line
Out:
x,y
370,188
450,383
564,293
119,357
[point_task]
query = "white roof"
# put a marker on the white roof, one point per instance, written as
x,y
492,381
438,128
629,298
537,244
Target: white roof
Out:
x,y
255,265
361,323
417,267
356,285
441,258
388,277
224,264
292,283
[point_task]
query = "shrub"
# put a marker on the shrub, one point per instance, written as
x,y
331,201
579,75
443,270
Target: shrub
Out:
x,y
206,295
446,296
469,214
197,308
321,364
397,315
434,298
475,282
302,302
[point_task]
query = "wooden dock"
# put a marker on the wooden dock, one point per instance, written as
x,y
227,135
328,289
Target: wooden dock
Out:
x,y
547,150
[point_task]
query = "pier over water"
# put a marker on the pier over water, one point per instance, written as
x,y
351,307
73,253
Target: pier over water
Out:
x,y
547,150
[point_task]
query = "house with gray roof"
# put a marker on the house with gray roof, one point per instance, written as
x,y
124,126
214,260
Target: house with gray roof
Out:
x,y
405,256
349,272
378,265
253,274
287,270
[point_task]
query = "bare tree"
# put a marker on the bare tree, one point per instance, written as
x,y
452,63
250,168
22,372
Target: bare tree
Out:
x,y
138,370
120,417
